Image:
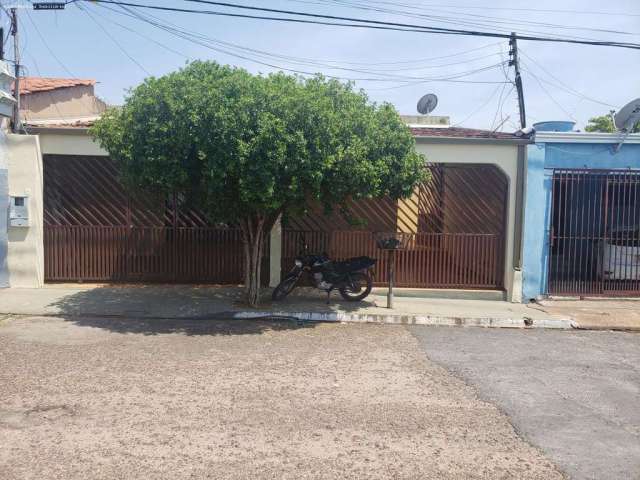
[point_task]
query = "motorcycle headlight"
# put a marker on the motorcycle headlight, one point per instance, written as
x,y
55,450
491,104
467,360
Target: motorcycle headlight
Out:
x,y
298,263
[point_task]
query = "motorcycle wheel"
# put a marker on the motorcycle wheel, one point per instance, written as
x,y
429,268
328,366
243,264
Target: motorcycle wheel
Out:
x,y
364,285
284,288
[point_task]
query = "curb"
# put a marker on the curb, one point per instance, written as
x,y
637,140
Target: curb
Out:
x,y
488,322
339,317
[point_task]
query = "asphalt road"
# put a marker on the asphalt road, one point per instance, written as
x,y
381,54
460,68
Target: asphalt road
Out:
x,y
575,395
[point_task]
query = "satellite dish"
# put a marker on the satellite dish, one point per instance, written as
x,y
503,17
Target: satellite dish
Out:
x,y
628,116
427,104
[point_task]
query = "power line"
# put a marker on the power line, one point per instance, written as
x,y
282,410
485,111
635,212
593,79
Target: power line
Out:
x,y
122,49
361,23
564,86
46,45
322,63
484,104
334,17
516,9
140,34
471,19
548,94
204,41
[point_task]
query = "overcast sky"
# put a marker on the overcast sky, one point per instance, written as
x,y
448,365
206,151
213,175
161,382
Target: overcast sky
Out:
x,y
557,77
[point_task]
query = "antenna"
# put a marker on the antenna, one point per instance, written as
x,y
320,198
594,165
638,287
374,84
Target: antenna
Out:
x,y
427,104
626,119
628,116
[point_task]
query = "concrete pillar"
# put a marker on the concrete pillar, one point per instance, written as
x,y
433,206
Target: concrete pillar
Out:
x,y
275,253
26,246
4,210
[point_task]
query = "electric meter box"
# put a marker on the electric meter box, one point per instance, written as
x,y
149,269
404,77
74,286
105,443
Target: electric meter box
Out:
x,y
19,211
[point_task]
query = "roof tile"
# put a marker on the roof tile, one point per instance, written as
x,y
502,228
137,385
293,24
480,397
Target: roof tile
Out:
x,y
42,84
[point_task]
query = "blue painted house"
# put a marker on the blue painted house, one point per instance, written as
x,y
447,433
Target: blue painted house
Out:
x,y
581,232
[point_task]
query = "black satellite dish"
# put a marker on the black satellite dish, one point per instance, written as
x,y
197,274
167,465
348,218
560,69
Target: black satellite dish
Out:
x,y
427,104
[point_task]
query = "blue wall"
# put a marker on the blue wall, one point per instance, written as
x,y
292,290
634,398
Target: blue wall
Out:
x,y
542,158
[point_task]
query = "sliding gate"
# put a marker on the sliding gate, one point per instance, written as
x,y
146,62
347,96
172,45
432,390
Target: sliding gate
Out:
x,y
94,231
594,246
456,224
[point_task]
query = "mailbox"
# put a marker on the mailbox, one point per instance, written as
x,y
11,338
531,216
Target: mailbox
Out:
x,y
19,211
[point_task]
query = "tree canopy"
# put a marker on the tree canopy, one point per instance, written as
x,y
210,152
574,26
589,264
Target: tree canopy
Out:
x,y
604,123
245,148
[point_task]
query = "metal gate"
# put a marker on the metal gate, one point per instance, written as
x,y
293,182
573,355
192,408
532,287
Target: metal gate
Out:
x,y
95,231
594,246
456,223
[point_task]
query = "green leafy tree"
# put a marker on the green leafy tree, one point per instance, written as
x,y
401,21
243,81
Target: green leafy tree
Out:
x,y
604,123
247,148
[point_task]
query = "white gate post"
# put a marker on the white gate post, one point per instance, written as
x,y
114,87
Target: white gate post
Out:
x,y
275,253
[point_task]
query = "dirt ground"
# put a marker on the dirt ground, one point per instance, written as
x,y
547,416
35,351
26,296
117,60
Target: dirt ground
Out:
x,y
128,399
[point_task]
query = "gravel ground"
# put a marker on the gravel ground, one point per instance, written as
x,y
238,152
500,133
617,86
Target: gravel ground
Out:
x,y
106,399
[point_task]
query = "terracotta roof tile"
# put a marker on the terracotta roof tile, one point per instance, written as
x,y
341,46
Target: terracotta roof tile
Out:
x,y
459,132
41,84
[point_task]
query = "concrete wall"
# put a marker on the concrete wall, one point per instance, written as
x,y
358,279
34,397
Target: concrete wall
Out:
x,y
4,208
549,152
68,142
26,250
60,104
505,156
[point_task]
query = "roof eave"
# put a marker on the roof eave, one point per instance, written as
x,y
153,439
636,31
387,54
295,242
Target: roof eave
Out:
x,y
584,137
474,140
61,130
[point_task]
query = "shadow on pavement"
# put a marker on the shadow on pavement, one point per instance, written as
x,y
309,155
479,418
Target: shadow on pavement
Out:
x,y
165,309
215,327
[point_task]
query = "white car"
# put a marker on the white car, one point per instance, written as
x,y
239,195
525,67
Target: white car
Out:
x,y
620,255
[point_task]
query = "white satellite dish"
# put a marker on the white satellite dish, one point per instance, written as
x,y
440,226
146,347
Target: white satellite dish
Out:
x,y
628,116
427,104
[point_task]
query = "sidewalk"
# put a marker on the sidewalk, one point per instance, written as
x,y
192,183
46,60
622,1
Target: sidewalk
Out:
x,y
596,314
194,302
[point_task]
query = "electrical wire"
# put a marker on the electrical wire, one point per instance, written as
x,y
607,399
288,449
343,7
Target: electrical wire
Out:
x,y
122,49
322,63
381,76
472,19
314,15
548,94
361,23
482,106
516,9
263,54
140,34
562,85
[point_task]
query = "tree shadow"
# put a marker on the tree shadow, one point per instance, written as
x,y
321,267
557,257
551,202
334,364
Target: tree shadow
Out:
x,y
165,309
190,327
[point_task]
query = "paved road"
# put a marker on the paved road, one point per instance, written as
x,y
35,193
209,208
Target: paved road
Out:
x,y
575,395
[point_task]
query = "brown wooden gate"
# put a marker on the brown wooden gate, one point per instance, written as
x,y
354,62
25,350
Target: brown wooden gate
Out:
x,y
457,223
94,231
594,246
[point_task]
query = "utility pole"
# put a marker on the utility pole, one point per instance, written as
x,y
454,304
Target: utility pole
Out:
x,y
16,56
513,60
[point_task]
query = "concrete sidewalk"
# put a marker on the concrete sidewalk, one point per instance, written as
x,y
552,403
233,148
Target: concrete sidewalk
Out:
x,y
195,302
596,314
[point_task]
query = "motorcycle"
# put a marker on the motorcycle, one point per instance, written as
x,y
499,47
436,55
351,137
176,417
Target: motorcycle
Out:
x,y
350,277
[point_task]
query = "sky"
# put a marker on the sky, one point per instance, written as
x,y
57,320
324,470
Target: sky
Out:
x,y
561,81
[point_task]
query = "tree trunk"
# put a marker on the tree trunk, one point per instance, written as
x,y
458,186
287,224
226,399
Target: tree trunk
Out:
x,y
254,230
